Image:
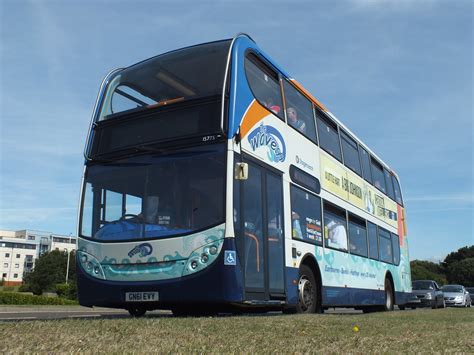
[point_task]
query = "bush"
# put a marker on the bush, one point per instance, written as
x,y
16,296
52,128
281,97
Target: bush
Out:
x,y
24,288
8,288
68,290
16,298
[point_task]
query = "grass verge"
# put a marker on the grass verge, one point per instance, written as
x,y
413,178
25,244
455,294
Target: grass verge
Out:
x,y
445,330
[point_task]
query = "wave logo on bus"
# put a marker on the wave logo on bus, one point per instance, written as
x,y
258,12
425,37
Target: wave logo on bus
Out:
x,y
142,250
271,138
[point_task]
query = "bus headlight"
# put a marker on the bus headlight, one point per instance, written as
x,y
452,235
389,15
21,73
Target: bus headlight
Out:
x,y
90,265
202,257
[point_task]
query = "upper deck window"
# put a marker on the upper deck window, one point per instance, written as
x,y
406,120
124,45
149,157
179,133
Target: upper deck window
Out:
x,y
397,191
264,84
328,136
299,111
365,159
378,177
191,72
351,154
389,184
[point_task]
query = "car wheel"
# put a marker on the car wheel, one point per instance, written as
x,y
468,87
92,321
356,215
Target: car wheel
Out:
x,y
434,304
388,296
401,307
444,304
307,291
413,307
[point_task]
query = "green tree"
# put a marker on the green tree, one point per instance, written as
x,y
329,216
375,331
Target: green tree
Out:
x,y
427,270
461,272
461,254
49,270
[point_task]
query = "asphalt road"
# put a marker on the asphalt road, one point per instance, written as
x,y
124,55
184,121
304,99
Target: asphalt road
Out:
x,y
28,313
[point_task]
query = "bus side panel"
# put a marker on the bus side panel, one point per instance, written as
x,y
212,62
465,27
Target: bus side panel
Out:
x,y
219,284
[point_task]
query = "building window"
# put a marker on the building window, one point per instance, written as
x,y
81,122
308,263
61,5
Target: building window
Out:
x,y
4,275
305,216
5,264
335,232
31,237
15,276
18,256
7,255
17,266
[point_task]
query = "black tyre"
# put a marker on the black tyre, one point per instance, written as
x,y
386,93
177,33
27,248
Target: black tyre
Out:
x,y
401,307
307,291
388,306
413,307
434,304
137,311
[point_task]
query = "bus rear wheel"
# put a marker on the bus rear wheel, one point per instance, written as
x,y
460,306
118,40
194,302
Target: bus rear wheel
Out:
x,y
307,291
388,296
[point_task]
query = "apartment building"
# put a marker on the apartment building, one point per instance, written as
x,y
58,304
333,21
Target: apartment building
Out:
x,y
20,249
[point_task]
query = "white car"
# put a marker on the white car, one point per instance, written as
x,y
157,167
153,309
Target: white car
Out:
x,y
456,295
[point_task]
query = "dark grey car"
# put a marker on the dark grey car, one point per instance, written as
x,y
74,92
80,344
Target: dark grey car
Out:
x,y
429,294
471,292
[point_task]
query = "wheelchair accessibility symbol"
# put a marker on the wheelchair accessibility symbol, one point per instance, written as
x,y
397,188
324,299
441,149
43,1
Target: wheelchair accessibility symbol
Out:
x,y
229,257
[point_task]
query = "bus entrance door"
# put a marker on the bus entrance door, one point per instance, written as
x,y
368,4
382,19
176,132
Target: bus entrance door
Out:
x,y
262,234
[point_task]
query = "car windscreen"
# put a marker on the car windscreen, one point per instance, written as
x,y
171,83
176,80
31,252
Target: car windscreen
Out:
x,y
457,289
422,285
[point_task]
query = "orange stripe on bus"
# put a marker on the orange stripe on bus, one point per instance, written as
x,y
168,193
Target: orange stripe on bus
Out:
x,y
308,94
401,229
254,114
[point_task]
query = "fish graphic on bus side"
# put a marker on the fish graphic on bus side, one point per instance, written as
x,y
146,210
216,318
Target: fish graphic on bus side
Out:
x,y
142,250
271,138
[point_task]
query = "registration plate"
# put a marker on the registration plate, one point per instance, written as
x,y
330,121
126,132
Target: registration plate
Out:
x,y
141,296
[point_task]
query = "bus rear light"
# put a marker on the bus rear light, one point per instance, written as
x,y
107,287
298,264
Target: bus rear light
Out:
x,y
204,258
213,250
84,258
194,264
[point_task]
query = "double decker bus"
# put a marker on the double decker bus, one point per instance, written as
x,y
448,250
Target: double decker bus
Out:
x,y
214,181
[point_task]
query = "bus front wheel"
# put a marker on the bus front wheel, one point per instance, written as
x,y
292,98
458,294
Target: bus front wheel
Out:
x,y
137,311
307,291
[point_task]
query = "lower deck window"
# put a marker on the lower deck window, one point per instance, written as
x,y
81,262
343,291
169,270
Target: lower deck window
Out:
x,y
305,216
335,233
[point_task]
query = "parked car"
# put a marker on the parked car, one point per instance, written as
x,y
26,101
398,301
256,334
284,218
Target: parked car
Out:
x,y
428,293
471,293
456,295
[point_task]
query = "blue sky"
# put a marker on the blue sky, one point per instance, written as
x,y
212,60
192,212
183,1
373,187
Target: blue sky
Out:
x,y
398,73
